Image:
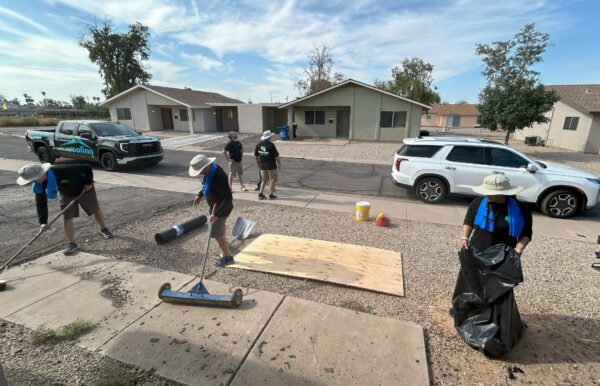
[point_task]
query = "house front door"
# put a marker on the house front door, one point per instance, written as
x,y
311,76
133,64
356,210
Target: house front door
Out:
x,y
167,119
219,116
342,127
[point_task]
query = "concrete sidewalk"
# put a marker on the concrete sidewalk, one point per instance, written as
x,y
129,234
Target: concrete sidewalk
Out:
x,y
270,339
584,229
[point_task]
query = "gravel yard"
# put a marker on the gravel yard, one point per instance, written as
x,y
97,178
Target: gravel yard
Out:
x,y
559,299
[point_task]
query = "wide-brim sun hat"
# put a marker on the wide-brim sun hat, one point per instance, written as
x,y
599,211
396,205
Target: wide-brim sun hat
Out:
x,y
267,134
31,172
497,185
198,164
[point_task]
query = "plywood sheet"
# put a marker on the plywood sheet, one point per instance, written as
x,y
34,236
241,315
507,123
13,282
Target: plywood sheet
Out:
x,y
368,268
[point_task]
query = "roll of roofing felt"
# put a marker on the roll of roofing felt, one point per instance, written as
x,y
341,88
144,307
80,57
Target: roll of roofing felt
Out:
x,y
179,229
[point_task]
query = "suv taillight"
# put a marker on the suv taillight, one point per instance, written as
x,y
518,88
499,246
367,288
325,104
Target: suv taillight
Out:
x,y
398,162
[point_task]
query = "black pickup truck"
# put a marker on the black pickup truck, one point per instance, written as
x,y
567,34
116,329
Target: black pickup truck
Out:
x,y
109,143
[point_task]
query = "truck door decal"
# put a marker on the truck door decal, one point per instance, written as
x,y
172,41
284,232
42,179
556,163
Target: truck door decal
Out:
x,y
76,146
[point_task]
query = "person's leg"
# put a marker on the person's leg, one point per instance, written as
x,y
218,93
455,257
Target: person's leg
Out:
x,y
69,230
259,181
99,216
230,179
224,245
271,187
241,180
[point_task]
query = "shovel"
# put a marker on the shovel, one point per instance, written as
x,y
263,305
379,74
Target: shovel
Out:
x,y
241,229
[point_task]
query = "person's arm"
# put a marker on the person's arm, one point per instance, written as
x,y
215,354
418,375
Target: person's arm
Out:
x,y
226,154
527,230
278,160
198,198
468,224
466,233
41,206
222,189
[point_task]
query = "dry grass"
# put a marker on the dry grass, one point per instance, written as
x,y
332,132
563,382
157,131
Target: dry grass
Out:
x,y
69,332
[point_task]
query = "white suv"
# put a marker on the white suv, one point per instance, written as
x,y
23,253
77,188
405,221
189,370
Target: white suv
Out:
x,y
437,166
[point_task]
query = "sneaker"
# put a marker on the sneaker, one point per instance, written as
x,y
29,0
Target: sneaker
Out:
x,y
218,256
261,196
256,189
70,249
224,261
244,189
106,233
272,196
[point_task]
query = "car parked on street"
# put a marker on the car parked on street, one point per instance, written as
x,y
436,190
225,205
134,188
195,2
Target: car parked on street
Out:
x,y
437,166
108,143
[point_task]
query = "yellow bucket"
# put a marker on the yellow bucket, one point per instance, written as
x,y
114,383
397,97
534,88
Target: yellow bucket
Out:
x,y
362,210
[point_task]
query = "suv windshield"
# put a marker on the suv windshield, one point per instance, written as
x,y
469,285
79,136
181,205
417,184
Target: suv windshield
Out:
x,y
425,151
110,129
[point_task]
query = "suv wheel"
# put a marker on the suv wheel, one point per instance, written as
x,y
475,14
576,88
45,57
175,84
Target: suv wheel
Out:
x,y
561,204
44,155
108,161
431,190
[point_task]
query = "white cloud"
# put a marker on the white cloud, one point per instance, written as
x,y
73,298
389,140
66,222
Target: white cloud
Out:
x,y
164,72
15,15
207,64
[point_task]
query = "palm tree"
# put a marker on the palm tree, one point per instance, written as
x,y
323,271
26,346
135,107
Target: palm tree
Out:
x,y
44,98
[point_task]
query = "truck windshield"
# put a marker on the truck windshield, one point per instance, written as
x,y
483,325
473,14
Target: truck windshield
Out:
x,y
110,129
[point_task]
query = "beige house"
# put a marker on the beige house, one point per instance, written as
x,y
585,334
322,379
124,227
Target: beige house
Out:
x,y
461,115
574,121
156,108
355,110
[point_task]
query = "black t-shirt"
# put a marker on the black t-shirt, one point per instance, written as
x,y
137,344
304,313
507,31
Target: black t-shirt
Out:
x,y
219,195
235,149
266,153
482,239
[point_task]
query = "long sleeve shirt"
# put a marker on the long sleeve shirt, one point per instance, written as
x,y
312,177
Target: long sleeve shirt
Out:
x,y
219,198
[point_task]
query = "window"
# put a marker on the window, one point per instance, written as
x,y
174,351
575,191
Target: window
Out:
x,y
466,154
124,114
392,119
571,123
507,159
68,128
230,114
183,115
314,117
453,121
425,151
84,129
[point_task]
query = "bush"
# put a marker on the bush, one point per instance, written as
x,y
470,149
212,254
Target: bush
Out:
x,y
71,331
115,375
27,121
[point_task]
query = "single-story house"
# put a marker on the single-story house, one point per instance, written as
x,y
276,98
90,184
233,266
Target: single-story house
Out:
x,y
355,110
574,121
459,115
145,107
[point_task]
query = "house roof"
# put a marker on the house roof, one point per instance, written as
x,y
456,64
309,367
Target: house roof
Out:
x,y
186,97
352,81
454,109
584,97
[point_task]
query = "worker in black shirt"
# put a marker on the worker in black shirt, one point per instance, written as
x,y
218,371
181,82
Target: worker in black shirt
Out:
x,y
267,158
70,181
216,190
497,218
233,152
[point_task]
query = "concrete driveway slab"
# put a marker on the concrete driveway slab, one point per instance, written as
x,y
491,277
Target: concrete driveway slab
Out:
x,y
195,345
36,280
309,343
112,298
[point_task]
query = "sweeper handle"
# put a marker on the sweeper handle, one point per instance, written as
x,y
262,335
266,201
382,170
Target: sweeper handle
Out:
x,y
75,201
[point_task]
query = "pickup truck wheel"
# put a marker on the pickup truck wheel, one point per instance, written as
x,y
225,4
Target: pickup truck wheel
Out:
x,y
561,204
431,190
44,155
108,161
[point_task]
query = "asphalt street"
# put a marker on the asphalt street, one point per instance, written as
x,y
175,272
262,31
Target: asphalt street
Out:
x,y
324,176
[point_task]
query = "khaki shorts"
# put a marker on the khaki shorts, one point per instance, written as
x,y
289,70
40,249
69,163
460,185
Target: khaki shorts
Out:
x,y
217,229
269,175
89,203
235,169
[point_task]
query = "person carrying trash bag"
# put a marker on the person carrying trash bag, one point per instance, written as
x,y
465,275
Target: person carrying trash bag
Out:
x,y
496,230
216,191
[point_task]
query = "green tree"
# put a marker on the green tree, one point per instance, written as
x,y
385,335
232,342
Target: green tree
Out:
x,y
514,98
121,58
318,73
412,80
78,101
28,99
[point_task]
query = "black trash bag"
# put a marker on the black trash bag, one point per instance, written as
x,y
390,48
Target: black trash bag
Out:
x,y
483,304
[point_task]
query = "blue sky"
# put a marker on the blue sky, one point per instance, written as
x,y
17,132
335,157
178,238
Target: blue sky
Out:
x,y
256,50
